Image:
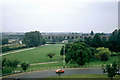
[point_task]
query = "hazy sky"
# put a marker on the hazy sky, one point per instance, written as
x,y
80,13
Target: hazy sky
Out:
x,y
59,15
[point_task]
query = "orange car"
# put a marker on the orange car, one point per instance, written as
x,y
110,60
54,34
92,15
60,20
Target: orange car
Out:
x,y
59,71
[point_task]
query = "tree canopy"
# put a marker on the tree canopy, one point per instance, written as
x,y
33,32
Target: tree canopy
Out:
x,y
78,53
104,53
92,33
33,39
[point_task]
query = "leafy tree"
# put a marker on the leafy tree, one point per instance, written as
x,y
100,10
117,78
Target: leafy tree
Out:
x,y
50,55
24,66
33,39
3,63
96,41
78,53
104,53
111,69
12,64
114,41
77,40
118,37
62,51
92,33
4,41
5,48
113,37
89,41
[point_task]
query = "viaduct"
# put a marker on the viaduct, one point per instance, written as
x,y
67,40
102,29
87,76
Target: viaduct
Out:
x,y
68,36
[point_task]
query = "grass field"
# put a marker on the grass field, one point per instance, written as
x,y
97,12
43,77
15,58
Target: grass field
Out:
x,y
85,77
82,76
37,55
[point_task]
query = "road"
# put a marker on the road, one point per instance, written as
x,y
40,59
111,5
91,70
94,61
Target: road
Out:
x,y
50,73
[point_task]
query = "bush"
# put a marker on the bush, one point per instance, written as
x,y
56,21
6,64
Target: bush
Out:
x,y
7,48
103,53
6,71
25,66
115,54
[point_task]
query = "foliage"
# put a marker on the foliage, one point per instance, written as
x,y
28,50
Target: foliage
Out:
x,y
111,69
62,51
12,64
5,48
104,53
114,41
3,63
78,53
77,40
6,70
33,39
96,41
24,66
4,41
50,55
92,33
9,48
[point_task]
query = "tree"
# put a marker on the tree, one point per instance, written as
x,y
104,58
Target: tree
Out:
x,y
33,39
104,53
96,41
111,69
4,41
62,51
118,37
12,64
24,66
78,53
114,41
92,33
3,63
50,55
113,37
5,48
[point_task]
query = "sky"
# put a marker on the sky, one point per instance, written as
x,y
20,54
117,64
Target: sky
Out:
x,y
59,15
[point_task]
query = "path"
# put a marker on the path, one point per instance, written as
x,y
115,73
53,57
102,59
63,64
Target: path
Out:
x,y
45,63
17,51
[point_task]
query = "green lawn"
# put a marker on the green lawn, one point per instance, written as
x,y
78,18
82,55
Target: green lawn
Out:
x,y
82,76
37,55
85,77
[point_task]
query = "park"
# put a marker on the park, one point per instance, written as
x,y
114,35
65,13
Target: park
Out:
x,y
50,56
60,40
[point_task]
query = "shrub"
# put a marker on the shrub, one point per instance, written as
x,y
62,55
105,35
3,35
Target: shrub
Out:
x,y
104,53
6,70
25,66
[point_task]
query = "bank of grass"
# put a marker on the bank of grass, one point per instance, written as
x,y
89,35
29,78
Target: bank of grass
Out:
x,y
37,55
82,76
85,77
92,64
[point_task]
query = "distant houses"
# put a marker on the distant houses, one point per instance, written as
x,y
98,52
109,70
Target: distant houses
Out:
x,y
15,40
